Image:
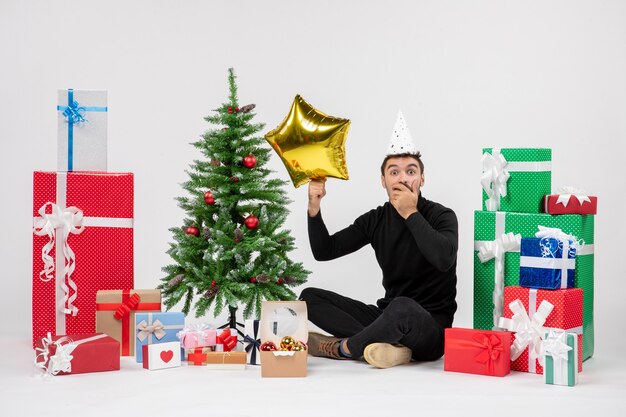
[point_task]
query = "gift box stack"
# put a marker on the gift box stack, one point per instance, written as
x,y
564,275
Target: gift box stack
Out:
x,y
533,261
212,348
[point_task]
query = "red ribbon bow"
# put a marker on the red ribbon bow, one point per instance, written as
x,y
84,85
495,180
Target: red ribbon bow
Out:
x,y
124,309
491,348
229,341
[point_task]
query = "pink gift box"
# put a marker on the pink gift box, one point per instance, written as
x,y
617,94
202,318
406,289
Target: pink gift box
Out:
x,y
197,336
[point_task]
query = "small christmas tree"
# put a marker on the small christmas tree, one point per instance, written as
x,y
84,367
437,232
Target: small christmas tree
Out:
x,y
231,250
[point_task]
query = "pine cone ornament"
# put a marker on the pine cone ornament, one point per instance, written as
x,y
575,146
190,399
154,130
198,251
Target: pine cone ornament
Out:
x,y
262,278
247,108
289,279
176,280
238,235
211,292
206,233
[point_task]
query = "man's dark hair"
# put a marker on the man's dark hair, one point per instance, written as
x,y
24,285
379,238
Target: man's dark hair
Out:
x,y
416,156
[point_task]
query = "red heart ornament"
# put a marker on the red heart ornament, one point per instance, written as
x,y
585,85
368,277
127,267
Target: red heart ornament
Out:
x,y
167,355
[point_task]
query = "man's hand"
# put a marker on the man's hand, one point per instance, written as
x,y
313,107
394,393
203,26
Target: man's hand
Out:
x,y
404,198
317,191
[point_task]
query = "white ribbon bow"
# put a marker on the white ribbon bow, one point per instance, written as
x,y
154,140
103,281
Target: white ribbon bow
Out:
x,y
508,242
529,332
494,178
555,345
61,361
68,220
565,193
196,330
156,328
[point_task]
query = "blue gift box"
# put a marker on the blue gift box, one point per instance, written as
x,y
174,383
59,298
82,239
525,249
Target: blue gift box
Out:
x,y
547,263
151,328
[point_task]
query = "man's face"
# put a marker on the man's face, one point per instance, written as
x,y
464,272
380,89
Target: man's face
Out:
x,y
404,170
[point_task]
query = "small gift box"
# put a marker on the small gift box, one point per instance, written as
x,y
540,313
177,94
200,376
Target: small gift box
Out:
x,y
197,356
530,313
77,354
226,340
515,179
560,354
225,360
199,335
548,261
156,328
82,130
115,314
161,355
481,352
252,341
279,320
569,200
82,243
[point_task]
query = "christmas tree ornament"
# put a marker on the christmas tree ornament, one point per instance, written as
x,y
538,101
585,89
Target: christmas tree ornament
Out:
x,y
238,235
252,222
289,279
208,198
234,179
280,281
213,283
268,347
262,278
248,108
230,110
287,343
236,108
299,346
206,233
215,162
401,141
176,280
192,230
249,161
310,143
253,280
211,292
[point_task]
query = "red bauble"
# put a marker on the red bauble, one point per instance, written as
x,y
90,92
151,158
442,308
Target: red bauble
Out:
x,y
236,108
234,179
208,198
268,346
249,161
230,110
213,283
253,280
192,230
280,281
251,222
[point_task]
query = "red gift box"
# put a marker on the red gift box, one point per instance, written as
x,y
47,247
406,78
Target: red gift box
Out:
x,y
82,243
570,204
77,354
567,314
481,352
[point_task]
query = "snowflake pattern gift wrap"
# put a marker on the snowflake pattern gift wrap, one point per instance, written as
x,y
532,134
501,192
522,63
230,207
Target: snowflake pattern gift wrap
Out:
x,y
82,243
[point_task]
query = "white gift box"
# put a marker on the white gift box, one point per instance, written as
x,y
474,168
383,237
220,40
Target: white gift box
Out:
x,y
82,130
161,355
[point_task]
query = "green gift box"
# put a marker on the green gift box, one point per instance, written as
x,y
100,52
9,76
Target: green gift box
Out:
x,y
516,179
488,225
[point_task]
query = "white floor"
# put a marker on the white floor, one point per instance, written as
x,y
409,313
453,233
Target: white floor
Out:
x,y
332,388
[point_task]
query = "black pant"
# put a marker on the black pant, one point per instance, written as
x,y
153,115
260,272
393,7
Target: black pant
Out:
x,y
403,321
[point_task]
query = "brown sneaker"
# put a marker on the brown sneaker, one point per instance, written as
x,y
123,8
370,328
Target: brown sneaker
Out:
x,y
324,346
386,355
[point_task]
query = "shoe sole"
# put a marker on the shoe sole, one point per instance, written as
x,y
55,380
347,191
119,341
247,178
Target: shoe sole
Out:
x,y
385,355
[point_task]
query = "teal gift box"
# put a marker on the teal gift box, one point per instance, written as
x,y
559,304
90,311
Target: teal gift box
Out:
x,y
516,179
152,328
560,352
489,228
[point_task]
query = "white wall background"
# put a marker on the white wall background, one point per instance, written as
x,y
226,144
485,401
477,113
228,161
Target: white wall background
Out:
x,y
466,75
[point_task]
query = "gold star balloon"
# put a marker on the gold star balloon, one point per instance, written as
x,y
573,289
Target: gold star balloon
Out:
x,y
310,143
